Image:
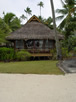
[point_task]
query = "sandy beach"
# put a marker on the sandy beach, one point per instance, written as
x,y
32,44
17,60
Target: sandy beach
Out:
x,y
37,88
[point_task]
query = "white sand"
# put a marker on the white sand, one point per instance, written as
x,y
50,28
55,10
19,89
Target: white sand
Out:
x,y
37,88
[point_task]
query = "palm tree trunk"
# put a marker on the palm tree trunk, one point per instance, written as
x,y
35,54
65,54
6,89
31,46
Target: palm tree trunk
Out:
x,y
59,56
40,11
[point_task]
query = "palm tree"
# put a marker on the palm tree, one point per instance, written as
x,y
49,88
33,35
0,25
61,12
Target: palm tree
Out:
x,y
12,21
49,22
8,17
4,31
23,17
28,12
59,56
41,5
66,12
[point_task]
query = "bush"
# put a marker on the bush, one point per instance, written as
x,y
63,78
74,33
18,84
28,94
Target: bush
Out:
x,y
7,54
65,53
23,55
53,52
74,49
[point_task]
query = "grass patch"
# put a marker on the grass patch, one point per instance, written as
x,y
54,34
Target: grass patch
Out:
x,y
30,67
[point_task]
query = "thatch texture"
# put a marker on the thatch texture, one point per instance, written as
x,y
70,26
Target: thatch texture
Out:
x,y
33,30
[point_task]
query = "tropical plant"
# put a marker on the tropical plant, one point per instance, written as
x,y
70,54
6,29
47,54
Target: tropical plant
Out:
x,y
4,27
41,4
22,55
70,27
22,17
66,12
12,21
15,24
7,54
2,36
28,12
48,21
4,31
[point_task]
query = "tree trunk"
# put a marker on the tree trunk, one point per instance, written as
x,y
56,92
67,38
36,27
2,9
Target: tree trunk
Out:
x,y
59,56
40,11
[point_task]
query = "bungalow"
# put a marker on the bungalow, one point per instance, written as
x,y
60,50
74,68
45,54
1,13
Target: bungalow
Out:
x,y
35,37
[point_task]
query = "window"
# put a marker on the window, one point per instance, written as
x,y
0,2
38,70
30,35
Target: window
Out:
x,y
19,44
30,44
38,44
48,44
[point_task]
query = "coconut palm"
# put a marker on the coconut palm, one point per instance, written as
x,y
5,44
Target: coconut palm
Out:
x,y
41,4
8,17
4,31
12,21
22,17
66,12
59,56
28,12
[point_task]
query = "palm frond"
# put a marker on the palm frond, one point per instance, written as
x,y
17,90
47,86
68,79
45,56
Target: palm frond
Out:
x,y
60,17
63,4
8,17
61,11
62,24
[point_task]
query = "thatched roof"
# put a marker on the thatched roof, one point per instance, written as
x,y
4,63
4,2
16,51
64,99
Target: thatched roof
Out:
x,y
33,29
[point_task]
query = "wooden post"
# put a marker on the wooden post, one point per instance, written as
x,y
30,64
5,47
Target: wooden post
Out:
x,y
24,44
14,44
33,46
44,45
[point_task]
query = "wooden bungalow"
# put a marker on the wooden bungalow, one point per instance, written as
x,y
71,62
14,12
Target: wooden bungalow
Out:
x,y
35,37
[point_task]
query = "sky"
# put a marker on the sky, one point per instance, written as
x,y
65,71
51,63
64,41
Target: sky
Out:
x,y
17,7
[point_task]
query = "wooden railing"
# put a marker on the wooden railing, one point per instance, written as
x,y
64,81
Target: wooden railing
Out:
x,y
38,50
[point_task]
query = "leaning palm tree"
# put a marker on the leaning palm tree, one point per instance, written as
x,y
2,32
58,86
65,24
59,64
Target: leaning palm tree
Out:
x,y
59,56
41,4
8,17
12,21
66,12
28,12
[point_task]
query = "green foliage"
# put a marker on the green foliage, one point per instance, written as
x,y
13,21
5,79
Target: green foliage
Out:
x,y
48,21
4,31
40,4
4,27
70,27
2,36
28,12
7,54
71,42
12,21
74,51
15,24
8,17
65,52
8,24
22,18
22,55
68,11
53,52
